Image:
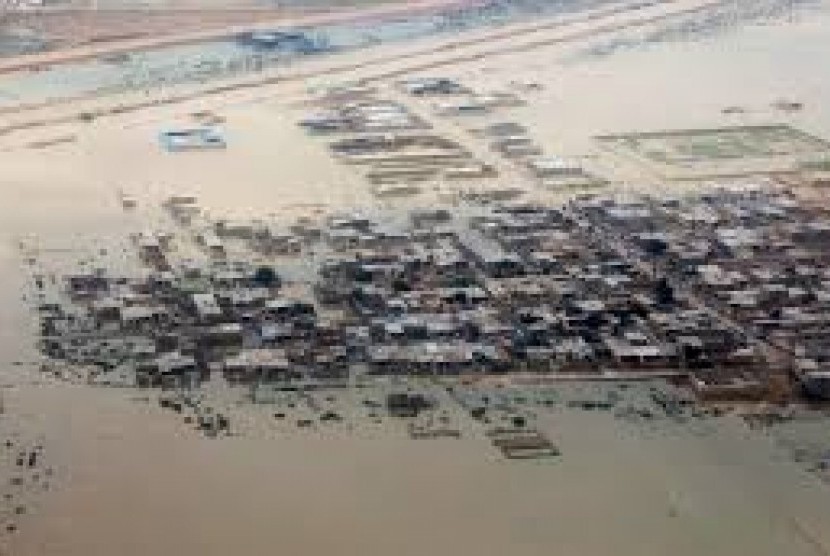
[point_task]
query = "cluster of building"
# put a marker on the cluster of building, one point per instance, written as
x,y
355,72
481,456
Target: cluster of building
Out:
x,y
512,141
390,141
757,261
519,288
401,151
728,290
361,114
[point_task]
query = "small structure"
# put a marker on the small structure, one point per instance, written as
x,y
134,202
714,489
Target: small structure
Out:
x,y
406,405
257,365
521,443
292,41
814,379
553,166
191,139
207,307
425,86
169,370
213,244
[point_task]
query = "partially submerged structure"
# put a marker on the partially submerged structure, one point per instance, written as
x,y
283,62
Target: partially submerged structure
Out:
x,y
729,290
192,139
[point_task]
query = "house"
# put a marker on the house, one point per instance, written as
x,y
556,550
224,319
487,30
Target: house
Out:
x,y
223,336
274,333
490,256
240,299
191,139
150,249
282,309
425,86
814,379
635,350
86,285
718,386
257,365
213,245
138,317
107,309
553,166
206,307
433,357
169,370
406,405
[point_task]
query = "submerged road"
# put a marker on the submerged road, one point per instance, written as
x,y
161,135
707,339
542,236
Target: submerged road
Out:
x,y
472,46
44,59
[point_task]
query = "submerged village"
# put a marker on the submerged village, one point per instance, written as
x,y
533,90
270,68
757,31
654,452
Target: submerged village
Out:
x,y
478,313
438,276
471,316
678,307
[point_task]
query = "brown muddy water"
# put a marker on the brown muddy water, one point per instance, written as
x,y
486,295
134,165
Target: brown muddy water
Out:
x,y
131,481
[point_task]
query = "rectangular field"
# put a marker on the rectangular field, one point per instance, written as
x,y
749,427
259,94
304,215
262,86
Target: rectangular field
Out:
x,y
719,152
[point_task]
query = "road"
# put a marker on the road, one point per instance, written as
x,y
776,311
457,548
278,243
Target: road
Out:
x,y
369,68
45,59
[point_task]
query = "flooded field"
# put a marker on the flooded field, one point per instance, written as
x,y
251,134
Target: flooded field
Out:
x,y
228,57
687,489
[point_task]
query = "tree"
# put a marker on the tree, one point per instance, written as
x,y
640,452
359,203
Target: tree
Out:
x,y
266,276
664,292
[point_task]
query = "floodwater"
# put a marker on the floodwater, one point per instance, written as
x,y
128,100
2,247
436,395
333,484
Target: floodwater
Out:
x,y
644,83
133,481
227,58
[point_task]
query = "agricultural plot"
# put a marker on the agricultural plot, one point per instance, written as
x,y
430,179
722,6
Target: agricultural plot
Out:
x,y
720,152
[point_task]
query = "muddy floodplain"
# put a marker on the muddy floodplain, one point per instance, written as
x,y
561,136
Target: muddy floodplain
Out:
x,y
249,469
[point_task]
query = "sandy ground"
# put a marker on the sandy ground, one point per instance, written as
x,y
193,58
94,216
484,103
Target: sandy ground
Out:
x,y
131,480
